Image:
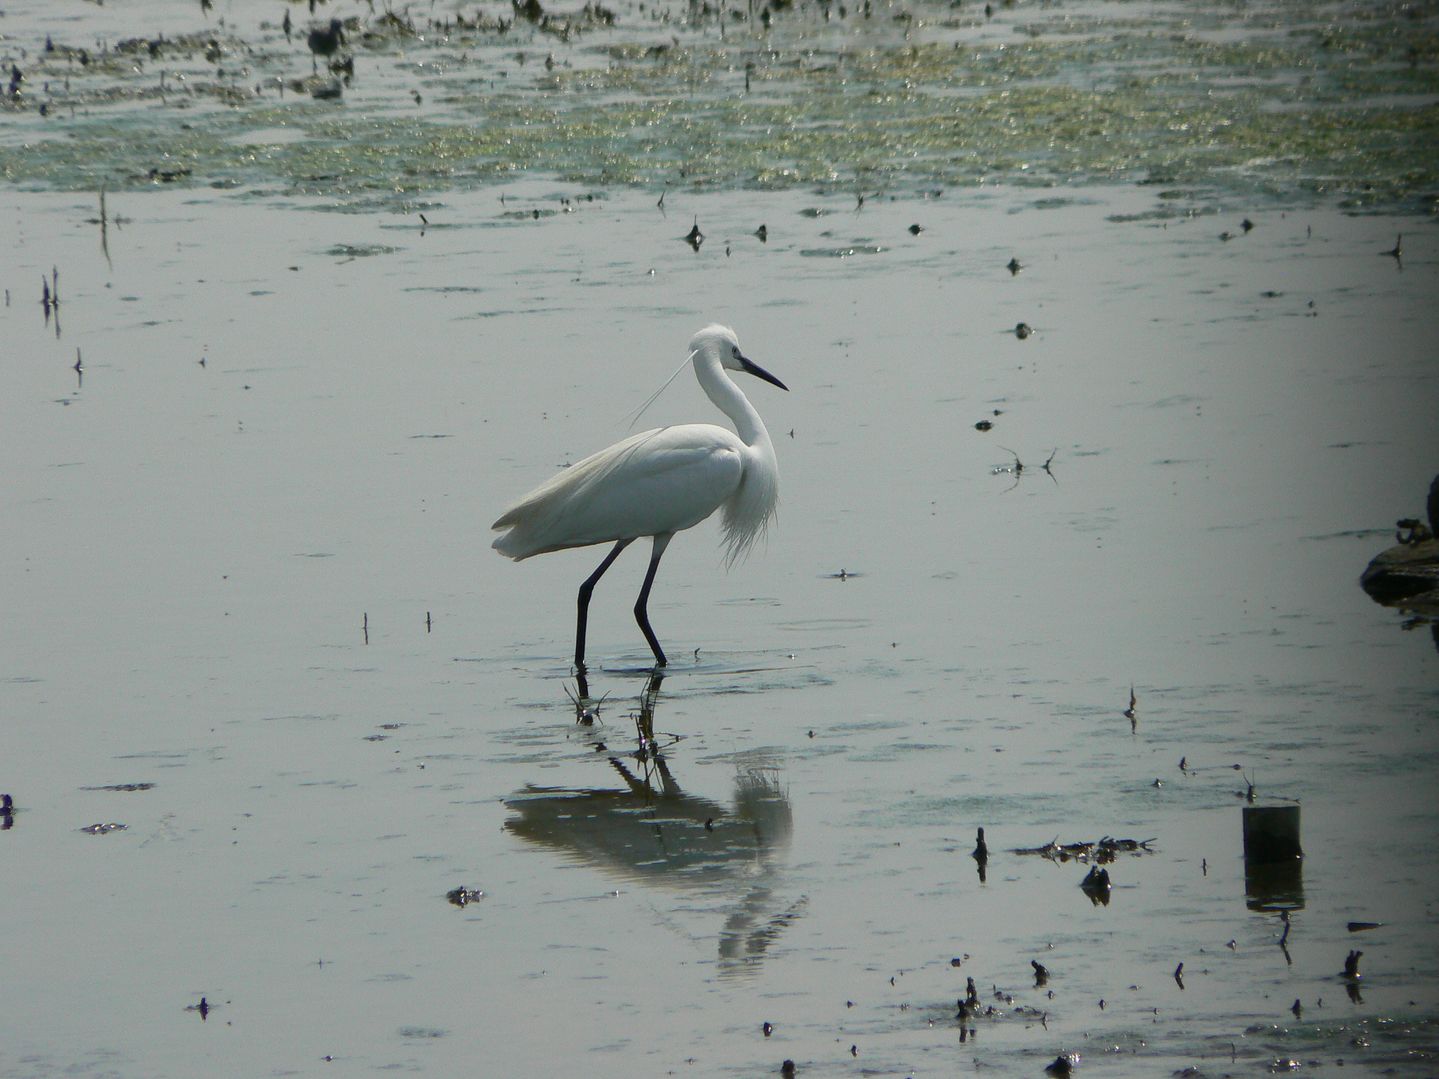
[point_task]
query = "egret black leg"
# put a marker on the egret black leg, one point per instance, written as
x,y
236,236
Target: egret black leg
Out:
x,y
642,615
586,590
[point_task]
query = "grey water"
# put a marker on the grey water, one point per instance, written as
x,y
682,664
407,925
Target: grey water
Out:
x,y
253,616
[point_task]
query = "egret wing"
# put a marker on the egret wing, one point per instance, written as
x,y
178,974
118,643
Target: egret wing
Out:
x,y
663,480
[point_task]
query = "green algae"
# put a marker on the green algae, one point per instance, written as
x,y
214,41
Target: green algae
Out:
x,y
1282,101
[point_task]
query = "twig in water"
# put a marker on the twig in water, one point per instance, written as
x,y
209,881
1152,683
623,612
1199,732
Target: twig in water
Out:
x,y
105,230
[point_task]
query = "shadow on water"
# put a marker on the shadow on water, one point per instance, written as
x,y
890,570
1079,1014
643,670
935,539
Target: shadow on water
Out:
x,y
647,830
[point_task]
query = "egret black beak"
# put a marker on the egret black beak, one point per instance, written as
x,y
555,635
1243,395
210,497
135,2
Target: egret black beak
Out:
x,y
759,372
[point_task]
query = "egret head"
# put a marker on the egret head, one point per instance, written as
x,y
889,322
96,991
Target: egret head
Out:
x,y
721,342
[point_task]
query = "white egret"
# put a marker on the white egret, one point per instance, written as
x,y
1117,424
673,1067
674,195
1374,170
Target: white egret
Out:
x,y
657,483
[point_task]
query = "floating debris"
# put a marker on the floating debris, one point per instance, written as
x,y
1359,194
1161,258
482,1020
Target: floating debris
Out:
x,y
204,1008
1351,966
587,709
1096,884
325,41
463,897
1100,852
1407,574
103,829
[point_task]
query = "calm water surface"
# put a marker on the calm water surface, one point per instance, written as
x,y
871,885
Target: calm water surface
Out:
x,y
245,555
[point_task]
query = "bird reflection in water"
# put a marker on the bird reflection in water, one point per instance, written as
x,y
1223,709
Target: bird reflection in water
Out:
x,y
648,831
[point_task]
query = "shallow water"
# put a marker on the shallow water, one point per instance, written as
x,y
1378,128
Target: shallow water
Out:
x,y
245,556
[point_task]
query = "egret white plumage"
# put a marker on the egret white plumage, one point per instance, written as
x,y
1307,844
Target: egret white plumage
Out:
x,y
657,483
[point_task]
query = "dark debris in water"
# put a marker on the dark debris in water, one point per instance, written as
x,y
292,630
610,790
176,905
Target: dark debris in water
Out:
x,y
103,829
359,251
463,897
1407,574
203,1009
1100,852
422,1032
1096,885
